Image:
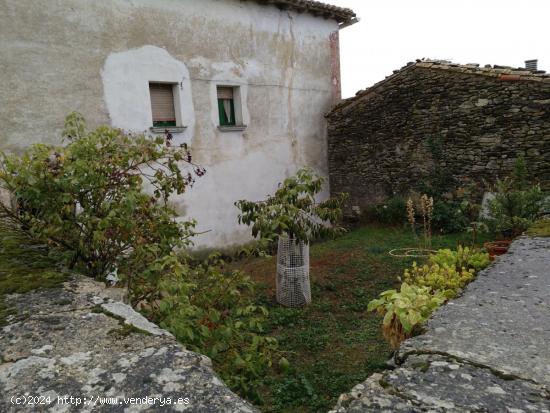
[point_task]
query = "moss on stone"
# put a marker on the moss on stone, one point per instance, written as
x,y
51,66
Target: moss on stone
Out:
x,y
540,228
24,266
127,329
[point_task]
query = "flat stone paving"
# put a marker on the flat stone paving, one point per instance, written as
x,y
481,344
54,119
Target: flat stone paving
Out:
x,y
486,351
77,341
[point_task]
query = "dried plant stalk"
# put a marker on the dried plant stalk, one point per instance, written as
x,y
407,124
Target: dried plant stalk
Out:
x,y
410,215
427,206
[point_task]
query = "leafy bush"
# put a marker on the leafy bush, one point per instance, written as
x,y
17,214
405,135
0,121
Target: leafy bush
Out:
x,y
463,257
405,311
293,210
514,210
448,217
390,212
87,197
445,279
213,313
517,203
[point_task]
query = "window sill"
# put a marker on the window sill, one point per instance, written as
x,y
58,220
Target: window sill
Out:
x,y
170,129
236,128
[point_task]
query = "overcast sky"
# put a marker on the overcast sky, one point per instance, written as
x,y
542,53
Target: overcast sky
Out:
x,y
394,32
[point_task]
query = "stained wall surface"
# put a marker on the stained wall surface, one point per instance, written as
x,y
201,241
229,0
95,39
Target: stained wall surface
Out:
x,y
97,57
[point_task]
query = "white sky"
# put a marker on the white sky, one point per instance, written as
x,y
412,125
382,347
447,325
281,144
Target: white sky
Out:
x,y
394,32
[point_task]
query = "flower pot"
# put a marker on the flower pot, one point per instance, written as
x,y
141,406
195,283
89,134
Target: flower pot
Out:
x,y
496,248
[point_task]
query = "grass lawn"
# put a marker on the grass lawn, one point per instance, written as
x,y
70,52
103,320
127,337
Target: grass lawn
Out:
x,y
333,344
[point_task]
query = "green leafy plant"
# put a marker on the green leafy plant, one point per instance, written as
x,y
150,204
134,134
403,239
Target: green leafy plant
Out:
x,y
293,210
88,197
390,212
517,203
448,216
214,313
405,311
463,257
445,279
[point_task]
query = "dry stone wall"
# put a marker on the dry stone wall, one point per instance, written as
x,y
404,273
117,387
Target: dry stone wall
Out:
x,y
430,120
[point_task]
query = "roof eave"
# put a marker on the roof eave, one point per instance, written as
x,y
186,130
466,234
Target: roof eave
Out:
x,y
343,16
348,23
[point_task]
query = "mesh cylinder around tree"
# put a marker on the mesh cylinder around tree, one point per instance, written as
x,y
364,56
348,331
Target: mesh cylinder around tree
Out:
x,y
293,287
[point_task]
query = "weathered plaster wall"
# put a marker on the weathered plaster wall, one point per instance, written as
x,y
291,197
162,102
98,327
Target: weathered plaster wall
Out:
x,y
97,57
435,123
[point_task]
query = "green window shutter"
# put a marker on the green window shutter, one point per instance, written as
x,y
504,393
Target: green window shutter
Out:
x,y
221,113
232,121
224,120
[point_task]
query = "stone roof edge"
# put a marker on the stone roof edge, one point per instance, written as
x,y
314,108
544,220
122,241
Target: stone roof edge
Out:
x,y
504,73
342,15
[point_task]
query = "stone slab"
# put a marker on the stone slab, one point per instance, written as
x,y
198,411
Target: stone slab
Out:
x,y
486,351
75,341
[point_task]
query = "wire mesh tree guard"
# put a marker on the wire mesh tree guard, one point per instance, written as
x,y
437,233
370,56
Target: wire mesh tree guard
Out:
x,y
293,286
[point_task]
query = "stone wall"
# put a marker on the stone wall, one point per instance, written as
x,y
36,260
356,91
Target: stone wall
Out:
x,y
432,120
76,348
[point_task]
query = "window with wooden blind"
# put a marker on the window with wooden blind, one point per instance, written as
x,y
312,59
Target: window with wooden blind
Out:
x,y
226,106
162,104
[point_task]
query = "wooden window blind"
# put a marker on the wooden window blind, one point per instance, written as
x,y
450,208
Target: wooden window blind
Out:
x,y
225,92
162,104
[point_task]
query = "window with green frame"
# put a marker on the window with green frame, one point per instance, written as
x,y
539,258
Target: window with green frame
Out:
x,y
226,106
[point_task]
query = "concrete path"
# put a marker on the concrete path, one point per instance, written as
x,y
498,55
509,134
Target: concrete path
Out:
x,y
487,351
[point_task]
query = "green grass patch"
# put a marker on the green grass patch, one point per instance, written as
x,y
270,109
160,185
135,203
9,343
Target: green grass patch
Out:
x,y
540,228
334,343
24,266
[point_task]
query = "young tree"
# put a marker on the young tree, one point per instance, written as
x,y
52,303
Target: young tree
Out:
x,y
294,217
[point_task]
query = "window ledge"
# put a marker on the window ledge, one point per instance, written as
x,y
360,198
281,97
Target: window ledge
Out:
x,y
170,129
236,128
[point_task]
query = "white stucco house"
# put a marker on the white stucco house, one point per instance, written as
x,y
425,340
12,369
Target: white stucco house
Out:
x,y
244,83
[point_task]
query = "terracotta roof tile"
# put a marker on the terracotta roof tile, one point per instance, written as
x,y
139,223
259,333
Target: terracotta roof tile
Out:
x,y
340,14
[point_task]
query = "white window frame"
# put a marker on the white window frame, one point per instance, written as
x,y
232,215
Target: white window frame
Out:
x,y
178,108
238,105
